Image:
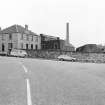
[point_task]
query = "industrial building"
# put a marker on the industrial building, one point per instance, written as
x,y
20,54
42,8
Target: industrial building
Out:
x,y
19,37
55,43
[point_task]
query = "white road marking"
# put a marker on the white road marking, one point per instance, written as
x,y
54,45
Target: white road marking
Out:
x,y
29,100
25,69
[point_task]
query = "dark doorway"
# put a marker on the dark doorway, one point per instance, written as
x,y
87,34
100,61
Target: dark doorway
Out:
x,y
26,46
36,47
3,47
55,46
32,46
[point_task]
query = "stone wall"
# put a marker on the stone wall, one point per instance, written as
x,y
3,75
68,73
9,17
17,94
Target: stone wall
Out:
x,y
91,57
81,57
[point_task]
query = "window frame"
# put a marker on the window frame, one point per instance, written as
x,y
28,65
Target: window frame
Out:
x,y
3,37
10,36
27,37
22,36
21,45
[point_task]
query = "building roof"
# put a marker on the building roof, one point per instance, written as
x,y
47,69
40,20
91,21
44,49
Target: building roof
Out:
x,y
49,37
16,29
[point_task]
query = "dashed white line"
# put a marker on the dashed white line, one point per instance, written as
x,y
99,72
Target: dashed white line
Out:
x,y
25,69
29,100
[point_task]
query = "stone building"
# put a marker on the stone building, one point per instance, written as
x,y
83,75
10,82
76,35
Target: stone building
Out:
x,y
18,37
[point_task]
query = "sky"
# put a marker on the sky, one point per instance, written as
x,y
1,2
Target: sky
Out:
x,y
86,18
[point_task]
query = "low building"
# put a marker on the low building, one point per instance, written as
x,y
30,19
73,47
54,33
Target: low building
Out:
x,y
65,47
18,37
89,48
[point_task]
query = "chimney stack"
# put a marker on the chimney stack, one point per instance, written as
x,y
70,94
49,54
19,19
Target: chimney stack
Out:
x,y
67,33
26,27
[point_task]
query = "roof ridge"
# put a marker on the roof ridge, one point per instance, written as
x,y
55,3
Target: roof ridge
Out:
x,y
16,29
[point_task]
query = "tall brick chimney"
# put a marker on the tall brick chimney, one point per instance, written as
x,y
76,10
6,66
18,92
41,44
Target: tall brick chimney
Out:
x,y
67,33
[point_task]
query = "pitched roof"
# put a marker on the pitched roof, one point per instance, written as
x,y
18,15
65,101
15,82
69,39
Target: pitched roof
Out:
x,y
16,29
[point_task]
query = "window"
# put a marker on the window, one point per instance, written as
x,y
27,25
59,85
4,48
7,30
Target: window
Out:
x,y
31,46
21,45
10,36
36,39
32,38
22,36
36,47
42,46
27,37
3,37
10,45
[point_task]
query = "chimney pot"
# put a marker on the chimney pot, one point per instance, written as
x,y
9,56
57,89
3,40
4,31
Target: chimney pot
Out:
x,y
26,27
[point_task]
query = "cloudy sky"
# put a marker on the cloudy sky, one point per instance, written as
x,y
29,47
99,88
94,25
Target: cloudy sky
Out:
x,y
86,18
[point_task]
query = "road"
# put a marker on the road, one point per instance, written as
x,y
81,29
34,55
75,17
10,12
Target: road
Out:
x,y
50,82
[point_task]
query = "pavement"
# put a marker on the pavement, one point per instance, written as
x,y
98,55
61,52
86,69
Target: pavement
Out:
x,y
26,81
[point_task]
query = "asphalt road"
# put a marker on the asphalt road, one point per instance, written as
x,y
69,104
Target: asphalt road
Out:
x,y
51,82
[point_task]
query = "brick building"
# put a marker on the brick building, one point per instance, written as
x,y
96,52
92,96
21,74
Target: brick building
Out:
x,y
49,42
55,43
64,47
18,37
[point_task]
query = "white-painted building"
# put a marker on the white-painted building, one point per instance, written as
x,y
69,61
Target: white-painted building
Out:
x,y
18,37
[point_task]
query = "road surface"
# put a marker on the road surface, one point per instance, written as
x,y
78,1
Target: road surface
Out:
x,y
51,82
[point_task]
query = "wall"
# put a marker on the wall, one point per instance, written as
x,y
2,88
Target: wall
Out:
x,y
81,57
36,41
7,40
